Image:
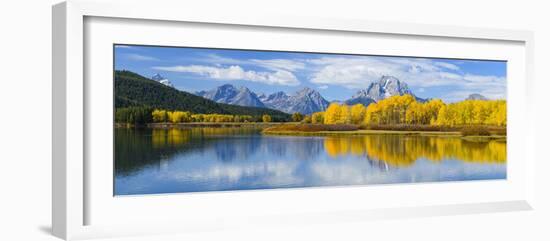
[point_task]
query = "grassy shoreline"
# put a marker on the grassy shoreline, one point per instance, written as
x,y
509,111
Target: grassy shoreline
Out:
x,y
475,133
453,134
365,132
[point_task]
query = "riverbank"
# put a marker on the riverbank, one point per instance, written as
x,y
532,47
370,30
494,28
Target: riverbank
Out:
x,y
469,133
201,124
453,134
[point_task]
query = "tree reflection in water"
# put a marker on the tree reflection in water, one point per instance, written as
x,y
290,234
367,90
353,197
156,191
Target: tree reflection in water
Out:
x,y
401,151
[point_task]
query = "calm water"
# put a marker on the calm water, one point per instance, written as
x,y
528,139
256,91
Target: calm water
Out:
x,y
151,161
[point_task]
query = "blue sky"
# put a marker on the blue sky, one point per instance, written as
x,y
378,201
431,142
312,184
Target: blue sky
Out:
x,y
335,76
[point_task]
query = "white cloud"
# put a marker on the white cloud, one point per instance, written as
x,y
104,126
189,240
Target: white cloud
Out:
x,y
483,78
272,64
235,72
139,57
359,72
277,64
350,72
353,72
447,65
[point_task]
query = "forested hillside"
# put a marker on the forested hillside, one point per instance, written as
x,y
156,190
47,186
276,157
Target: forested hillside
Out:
x,y
135,91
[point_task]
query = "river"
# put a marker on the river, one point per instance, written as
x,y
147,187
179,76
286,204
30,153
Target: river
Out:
x,y
153,161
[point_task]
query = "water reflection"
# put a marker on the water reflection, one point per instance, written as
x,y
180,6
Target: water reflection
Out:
x,y
405,150
211,159
173,137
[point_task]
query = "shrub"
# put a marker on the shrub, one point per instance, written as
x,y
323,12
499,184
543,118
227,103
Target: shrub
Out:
x,y
266,118
318,118
475,131
297,117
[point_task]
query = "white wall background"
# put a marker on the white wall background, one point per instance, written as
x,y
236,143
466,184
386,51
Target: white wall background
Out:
x,y
25,119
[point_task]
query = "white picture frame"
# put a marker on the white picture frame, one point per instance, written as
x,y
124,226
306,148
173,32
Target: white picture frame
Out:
x,y
72,190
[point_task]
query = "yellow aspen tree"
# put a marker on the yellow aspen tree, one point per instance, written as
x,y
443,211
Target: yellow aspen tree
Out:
x,y
432,108
344,114
318,118
266,118
372,117
442,116
413,113
159,115
358,112
332,113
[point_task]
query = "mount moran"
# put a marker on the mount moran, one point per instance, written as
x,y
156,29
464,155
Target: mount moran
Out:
x,y
306,101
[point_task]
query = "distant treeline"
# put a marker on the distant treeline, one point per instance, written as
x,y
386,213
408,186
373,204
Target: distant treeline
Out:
x,y
144,115
134,115
160,116
405,109
395,110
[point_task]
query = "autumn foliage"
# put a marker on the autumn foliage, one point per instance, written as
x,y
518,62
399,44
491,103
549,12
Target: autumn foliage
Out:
x,y
403,112
405,109
266,118
401,152
161,116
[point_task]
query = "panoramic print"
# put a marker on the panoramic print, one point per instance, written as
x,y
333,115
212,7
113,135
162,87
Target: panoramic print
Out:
x,y
203,119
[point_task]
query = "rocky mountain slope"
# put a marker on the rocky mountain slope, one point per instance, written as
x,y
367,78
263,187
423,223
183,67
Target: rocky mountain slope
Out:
x,y
385,87
307,100
229,94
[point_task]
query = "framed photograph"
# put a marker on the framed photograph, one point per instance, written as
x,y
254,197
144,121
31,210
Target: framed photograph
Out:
x,y
178,121
330,119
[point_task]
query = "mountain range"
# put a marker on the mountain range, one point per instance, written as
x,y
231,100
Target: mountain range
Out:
x,y
132,89
306,100
229,94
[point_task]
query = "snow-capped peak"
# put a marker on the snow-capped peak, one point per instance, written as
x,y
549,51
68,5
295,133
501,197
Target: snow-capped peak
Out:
x,y
159,78
229,94
386,86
